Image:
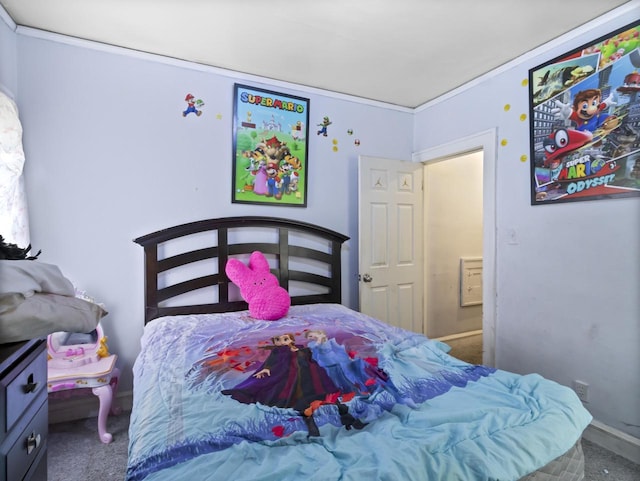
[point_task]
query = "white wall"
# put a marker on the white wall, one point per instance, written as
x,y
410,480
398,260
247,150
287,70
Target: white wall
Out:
x,y
568,275
453,229
110,157
8,65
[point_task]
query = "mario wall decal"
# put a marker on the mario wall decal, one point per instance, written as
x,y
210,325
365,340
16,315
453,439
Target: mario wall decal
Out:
x,y
193,106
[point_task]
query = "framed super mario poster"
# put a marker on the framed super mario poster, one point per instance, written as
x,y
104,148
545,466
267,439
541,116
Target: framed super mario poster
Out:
x,y
585,121
270,147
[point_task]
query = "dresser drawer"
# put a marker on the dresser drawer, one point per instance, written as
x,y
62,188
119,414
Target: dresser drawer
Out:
x,y
28,446
26,385
38,470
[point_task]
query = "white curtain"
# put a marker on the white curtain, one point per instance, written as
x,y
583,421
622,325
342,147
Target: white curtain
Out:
x,y
14,218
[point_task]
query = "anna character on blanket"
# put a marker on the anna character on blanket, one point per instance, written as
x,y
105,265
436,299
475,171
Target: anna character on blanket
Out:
x,y
291,378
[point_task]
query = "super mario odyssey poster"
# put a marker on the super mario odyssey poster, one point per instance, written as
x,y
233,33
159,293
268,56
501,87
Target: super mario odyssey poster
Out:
x,y
270,145
585,121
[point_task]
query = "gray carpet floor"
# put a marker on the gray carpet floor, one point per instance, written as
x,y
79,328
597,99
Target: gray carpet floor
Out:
x,y
76,454
468,349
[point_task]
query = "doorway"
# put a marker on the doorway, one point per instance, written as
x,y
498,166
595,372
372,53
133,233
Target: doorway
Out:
x,y
453,253
484,142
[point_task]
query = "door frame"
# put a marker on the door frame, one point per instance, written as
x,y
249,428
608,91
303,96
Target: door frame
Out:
x,y
486,141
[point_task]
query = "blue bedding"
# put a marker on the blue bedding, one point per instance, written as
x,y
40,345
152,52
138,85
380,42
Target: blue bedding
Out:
x,y
327,393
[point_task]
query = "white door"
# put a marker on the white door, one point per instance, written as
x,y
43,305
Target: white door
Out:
x,y
391,241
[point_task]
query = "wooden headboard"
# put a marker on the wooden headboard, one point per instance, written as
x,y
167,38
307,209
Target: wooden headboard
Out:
x,y
303,254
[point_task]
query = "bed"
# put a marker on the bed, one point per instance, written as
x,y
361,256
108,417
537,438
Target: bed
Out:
x,y
325,392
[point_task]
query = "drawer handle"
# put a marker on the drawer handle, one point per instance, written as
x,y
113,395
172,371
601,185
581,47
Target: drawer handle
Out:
x,y
33,441
30,386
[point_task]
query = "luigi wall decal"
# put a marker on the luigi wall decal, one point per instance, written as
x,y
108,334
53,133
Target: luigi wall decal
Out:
x,y
323,126
193,105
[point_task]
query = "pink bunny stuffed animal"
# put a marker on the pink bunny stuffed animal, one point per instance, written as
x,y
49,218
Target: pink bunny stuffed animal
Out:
x,y
266,299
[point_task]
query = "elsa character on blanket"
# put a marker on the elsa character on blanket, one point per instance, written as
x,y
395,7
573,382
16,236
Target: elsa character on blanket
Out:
x,y
350,374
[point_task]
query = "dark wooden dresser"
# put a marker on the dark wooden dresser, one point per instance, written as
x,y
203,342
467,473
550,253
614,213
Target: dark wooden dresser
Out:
x,y
23,411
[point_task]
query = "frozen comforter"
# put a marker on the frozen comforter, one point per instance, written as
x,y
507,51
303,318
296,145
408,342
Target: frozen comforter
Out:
x,y
327,393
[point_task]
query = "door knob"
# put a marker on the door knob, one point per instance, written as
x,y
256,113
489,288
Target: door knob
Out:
x,y
367,278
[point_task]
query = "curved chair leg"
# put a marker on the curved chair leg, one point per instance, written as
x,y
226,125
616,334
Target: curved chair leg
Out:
x,y
105,394
115,378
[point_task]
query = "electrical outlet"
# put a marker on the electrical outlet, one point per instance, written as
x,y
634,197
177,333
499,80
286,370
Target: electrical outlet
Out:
x,y
582,390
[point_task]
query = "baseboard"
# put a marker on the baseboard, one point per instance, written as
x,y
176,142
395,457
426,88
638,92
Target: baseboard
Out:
x,y
83,407
614,440
461,335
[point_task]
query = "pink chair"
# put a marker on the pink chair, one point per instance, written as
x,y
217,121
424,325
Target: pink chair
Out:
x,y
82,361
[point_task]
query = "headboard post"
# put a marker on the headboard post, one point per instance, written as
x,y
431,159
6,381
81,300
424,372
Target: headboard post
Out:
x,y
336,269
223,256
151,282
283,258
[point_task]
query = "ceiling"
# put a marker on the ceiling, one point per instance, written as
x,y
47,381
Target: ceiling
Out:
x,y
401,52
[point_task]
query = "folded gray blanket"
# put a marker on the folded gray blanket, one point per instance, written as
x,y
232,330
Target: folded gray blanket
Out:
x,y
28,277
36,300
